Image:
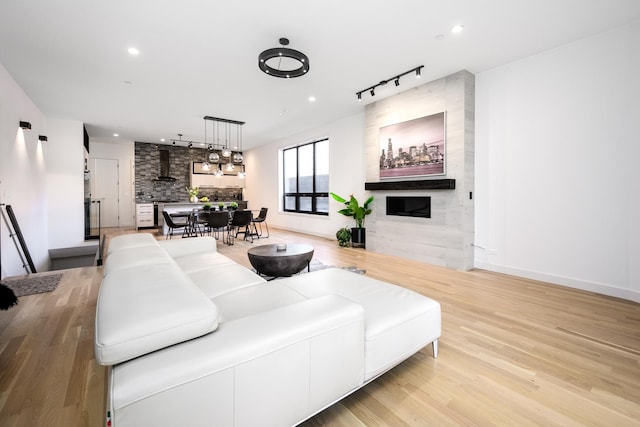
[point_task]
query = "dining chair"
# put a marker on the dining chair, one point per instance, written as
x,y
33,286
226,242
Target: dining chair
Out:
x,y
261,219
240,225
219,222
173,225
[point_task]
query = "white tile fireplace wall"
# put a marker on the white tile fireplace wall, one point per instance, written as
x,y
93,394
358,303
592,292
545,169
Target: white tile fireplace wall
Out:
x,y
446,238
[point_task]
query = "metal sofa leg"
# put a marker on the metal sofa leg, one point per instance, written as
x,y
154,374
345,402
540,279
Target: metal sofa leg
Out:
x,y
434,347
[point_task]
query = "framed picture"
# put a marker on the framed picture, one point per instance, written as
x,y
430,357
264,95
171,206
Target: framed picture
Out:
x,y
413,148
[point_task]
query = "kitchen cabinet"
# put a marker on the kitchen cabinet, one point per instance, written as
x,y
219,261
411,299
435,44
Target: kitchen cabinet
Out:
x,y
144,215
225,181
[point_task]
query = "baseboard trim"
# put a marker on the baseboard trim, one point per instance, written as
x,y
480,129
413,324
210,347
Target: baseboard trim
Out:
x,y
628,294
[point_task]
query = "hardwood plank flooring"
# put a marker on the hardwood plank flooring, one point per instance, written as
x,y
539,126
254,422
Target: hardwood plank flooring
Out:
x,y
513,352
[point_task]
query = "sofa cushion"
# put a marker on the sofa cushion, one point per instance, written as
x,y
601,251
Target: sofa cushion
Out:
x,y
184,247
127,258
131,241
148,307
202,261
216,280
398,321
250,300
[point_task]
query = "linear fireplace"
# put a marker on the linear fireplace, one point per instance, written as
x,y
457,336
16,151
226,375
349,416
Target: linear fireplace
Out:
x,y
409,206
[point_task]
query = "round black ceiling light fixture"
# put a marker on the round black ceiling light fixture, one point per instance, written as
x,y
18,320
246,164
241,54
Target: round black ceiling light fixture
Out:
x,y
283,62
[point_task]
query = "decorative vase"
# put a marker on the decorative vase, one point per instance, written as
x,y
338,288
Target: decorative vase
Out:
x,y
193,199
358,238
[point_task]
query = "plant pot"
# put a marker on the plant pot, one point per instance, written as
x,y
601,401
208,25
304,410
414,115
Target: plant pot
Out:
x,y
358,237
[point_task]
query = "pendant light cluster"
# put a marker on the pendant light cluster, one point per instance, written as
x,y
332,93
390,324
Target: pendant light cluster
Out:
x,y
227,155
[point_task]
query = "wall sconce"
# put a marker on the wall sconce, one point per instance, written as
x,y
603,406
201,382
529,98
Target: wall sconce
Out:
x,y
395,79
42,138
25,125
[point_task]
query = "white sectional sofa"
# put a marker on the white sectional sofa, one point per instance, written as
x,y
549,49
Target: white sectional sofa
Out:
x,y
195,339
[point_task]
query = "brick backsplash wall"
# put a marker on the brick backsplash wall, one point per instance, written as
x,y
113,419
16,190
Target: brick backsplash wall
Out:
x,y
147,170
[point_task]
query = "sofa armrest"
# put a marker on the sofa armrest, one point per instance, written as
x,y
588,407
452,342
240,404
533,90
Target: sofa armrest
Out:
x,y
184,247
287,362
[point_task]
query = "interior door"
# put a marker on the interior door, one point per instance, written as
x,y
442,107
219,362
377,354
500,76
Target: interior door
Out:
x,y
105,188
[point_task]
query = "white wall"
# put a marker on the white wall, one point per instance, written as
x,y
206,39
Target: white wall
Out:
x,y
346,139
557,185
124,153
22,176
65,183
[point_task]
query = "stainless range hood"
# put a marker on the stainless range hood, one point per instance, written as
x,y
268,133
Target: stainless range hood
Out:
x,y
165,167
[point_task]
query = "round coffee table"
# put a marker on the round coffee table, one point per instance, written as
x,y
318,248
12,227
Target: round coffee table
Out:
x,y
269,261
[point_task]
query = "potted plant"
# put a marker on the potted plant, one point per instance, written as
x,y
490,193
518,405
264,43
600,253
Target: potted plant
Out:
x,y
193,193
353,209
221,206
233,205
207,206
344,236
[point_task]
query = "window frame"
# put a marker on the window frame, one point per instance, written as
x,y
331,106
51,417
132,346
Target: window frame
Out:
x,y
314,194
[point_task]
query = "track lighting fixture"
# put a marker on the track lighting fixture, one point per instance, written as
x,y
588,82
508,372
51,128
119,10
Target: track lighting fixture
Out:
x,y
396,81
25,125
42,138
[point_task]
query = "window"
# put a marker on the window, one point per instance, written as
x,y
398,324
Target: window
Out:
x,y
306,178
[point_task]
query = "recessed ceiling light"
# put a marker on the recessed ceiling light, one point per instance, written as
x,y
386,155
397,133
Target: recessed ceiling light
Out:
x,y
133,51
312,99
115,134
457,28
162,139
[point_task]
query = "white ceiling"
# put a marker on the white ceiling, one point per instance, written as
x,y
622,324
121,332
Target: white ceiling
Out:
x,y
199,57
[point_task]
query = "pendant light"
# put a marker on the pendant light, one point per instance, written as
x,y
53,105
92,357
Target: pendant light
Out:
x,y
226,152
214,157
205,165
238,158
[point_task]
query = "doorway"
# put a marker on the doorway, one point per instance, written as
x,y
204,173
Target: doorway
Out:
x,y
105,189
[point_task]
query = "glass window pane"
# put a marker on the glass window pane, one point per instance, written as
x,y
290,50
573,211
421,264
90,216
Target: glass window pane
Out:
x,y
290,203
290,171
305,204
305,168
322,204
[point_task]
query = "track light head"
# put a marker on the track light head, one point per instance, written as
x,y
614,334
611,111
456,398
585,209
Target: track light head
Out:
x,y
190,145
25,125
397,81
418,74
42,138
372,92
359,96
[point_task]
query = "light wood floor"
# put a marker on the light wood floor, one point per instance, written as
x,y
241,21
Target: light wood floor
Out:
x,y
512,352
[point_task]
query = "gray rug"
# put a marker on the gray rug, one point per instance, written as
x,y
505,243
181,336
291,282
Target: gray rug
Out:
x,y
316,265
33,285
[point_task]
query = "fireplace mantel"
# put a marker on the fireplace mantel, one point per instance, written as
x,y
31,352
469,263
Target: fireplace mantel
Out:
x,y
424,184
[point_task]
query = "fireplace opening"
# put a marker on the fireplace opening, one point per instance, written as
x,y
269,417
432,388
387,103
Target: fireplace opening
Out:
x,y
409,206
